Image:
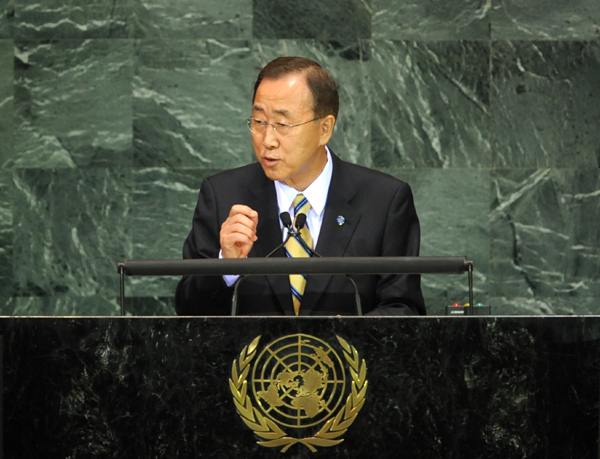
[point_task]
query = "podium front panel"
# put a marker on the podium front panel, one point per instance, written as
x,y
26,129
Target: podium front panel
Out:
x,y
451,387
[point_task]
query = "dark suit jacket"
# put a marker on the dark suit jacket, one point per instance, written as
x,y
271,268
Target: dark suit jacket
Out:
x,y
380,220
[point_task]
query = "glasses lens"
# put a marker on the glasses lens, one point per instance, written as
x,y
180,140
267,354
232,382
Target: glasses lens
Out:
x,y
256,126
283,129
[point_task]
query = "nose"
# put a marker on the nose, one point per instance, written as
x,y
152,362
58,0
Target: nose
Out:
x,y
270,138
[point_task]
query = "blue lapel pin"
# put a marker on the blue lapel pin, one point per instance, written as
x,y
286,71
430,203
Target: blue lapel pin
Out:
x,y
341,220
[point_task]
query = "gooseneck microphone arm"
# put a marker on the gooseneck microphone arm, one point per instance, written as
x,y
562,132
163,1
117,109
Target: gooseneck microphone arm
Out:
x,y
300,222
295,233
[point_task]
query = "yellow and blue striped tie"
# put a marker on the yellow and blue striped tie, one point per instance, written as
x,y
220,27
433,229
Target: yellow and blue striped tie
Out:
x,y
295,250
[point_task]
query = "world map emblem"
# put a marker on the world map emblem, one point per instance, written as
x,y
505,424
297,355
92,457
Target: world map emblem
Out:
x,y
298,385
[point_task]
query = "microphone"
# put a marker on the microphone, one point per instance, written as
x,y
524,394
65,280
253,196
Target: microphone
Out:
x,y
286,219
300,222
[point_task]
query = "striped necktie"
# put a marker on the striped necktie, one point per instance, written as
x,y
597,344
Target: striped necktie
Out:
x,y
295,250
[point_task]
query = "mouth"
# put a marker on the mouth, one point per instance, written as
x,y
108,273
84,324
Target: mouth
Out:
x,y
269,161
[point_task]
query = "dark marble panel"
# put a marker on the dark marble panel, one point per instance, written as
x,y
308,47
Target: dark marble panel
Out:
x,y
345,61
193,19
542,20
73,103
453,206
477,388
431,104
6,100
192,98
72,19
431,19
331,20
545,226
71,227
7,14
163,205
546,104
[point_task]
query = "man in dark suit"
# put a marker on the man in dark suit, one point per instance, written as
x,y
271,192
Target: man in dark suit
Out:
x,y
352,211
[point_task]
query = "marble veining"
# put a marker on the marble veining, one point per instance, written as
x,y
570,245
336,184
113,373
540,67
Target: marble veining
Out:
x,y
193,19
70,249
431,19
552,87
536,19
342,20
6,100
55,83
417,89
112,112
540,209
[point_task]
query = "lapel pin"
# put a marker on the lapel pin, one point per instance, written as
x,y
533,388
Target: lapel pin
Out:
x,y
341,220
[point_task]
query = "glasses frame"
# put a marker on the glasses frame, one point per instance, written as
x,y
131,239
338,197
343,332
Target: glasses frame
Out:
x,y
249,122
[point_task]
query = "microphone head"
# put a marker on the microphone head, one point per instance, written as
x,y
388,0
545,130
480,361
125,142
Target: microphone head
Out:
x,y
300,221
286,219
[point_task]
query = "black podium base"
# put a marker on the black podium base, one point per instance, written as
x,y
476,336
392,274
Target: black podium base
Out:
x,y
473,387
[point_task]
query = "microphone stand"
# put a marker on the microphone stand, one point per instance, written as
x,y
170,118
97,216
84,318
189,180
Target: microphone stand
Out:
x,y
287,222
300,222
295,233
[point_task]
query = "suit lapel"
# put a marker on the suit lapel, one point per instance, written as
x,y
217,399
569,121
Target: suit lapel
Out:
x,y
333,238
264,201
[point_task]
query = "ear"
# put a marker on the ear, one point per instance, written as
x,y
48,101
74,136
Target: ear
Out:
x,y
326,126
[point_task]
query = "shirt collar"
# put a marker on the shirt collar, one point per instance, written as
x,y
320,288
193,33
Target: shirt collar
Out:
x,y
316,193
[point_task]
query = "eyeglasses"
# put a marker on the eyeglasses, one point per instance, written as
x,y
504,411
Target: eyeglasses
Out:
x,y
283,129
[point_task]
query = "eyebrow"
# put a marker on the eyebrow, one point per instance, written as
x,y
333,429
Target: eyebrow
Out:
x,y
280,111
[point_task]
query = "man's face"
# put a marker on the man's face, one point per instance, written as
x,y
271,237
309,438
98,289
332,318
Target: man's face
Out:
x,y
298,158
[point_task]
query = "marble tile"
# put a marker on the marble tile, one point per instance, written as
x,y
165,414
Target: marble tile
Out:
x,y
193,19
62,305
71,228
163,205
6,237
7,14
453,208
345,61
537,306
545,226
331,20
431,19
546,103
73,104
542,20
192,98
150,306
430,104
6,100
72,19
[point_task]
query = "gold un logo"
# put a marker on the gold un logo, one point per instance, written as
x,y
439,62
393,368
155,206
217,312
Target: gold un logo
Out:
x,y
298,384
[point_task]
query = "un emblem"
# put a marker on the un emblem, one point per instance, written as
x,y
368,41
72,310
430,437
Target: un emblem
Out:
x,y
297,383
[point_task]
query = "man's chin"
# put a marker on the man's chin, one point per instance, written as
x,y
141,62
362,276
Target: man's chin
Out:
x,y
272,174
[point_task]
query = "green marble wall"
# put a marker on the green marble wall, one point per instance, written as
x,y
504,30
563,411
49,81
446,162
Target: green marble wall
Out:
x,y
112,113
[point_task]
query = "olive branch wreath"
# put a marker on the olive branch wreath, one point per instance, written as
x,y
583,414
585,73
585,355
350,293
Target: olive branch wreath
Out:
x,y
269,431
